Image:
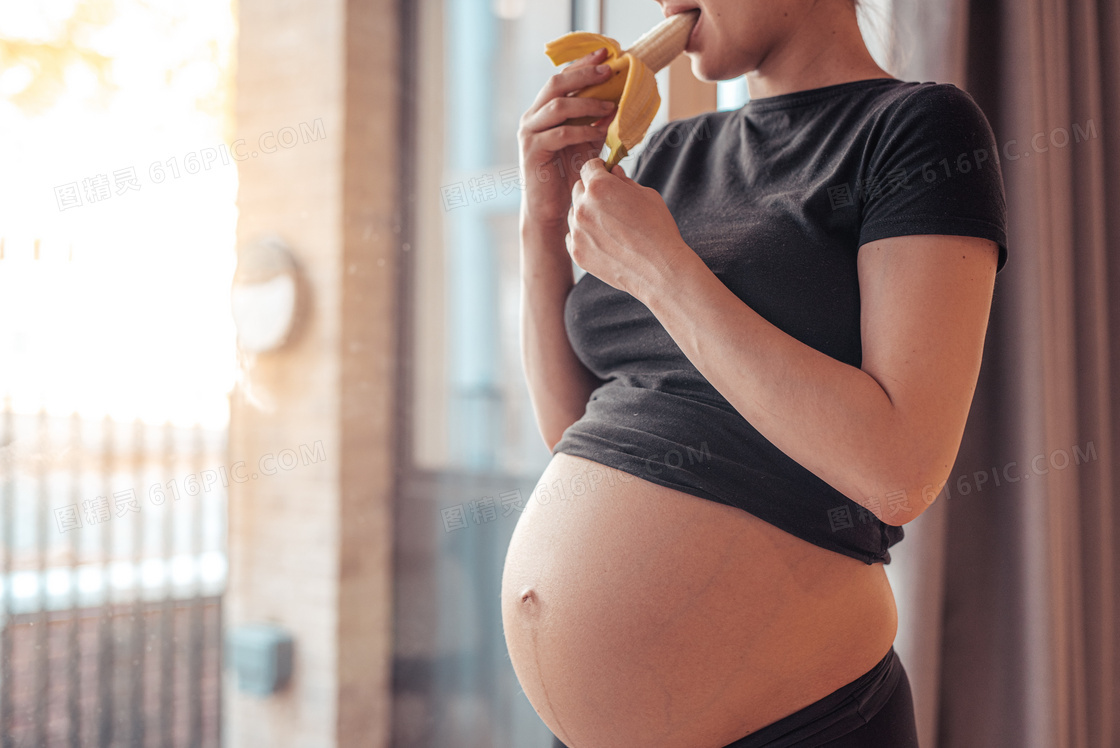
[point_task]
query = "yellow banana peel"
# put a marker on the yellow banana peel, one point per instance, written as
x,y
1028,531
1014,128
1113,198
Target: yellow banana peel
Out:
x,y
632,85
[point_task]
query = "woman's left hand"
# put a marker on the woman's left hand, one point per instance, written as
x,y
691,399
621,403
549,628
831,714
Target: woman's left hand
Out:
x,y
622,232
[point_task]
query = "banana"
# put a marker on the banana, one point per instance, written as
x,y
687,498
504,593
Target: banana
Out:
x,y
632,85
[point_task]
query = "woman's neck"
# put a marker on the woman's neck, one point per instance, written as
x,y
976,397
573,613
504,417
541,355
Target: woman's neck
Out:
x,y
827,51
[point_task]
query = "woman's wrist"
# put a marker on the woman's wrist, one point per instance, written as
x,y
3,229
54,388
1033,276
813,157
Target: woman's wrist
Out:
x,y
533,226
666,279
544,254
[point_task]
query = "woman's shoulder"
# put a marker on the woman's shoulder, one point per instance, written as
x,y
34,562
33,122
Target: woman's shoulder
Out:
x,y
932,119
929,106
893,122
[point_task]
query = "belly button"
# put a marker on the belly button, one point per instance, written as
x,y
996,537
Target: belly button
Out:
x,y
528,595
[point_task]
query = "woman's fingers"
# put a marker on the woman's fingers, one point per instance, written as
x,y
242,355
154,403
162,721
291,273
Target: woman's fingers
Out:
x,y
580,74
559,110
577,190
558,138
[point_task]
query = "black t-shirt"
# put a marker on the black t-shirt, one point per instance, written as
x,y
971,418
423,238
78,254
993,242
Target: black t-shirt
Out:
x,y
777,198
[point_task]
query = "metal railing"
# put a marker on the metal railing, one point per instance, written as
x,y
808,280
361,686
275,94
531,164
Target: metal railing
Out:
x,y
112,569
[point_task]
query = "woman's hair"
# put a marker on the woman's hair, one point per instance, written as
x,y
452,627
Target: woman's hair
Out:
x,y
876,23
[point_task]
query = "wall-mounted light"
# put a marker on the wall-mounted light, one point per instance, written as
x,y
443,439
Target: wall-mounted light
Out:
x,y
264,297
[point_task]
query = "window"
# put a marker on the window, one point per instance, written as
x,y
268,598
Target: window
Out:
x,y
481,64
471,451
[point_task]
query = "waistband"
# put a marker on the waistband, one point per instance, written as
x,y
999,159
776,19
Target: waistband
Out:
x,y
845,709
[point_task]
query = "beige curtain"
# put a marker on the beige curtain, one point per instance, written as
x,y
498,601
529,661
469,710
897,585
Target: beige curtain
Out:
x,y
1009,624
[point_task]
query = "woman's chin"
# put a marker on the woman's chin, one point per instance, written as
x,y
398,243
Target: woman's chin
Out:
x,y
708,70
699,69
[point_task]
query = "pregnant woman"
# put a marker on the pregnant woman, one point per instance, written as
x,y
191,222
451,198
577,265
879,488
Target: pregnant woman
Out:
x,y
764,373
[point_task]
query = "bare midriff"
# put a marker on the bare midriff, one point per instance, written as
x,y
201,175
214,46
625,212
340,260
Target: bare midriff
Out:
x,y
639,615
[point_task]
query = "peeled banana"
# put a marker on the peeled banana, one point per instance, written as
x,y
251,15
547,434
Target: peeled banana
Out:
x,y
632,84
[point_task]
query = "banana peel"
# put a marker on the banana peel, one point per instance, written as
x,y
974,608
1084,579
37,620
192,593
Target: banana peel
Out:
x,y
632,85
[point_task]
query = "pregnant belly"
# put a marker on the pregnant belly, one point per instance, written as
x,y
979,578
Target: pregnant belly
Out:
x,y
636,614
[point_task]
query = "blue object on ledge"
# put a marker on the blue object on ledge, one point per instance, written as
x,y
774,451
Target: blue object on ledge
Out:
x,y
261,655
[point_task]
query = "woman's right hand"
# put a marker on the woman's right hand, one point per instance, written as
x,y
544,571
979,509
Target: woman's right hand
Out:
x,y
552,153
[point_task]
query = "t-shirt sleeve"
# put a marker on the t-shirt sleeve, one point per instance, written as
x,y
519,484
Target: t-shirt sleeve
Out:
x,y
935,170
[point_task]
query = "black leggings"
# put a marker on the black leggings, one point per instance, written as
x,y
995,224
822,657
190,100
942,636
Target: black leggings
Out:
x,y
875,710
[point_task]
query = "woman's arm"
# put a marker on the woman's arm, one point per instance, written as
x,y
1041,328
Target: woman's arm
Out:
x,y
885,435
559,384
888,431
